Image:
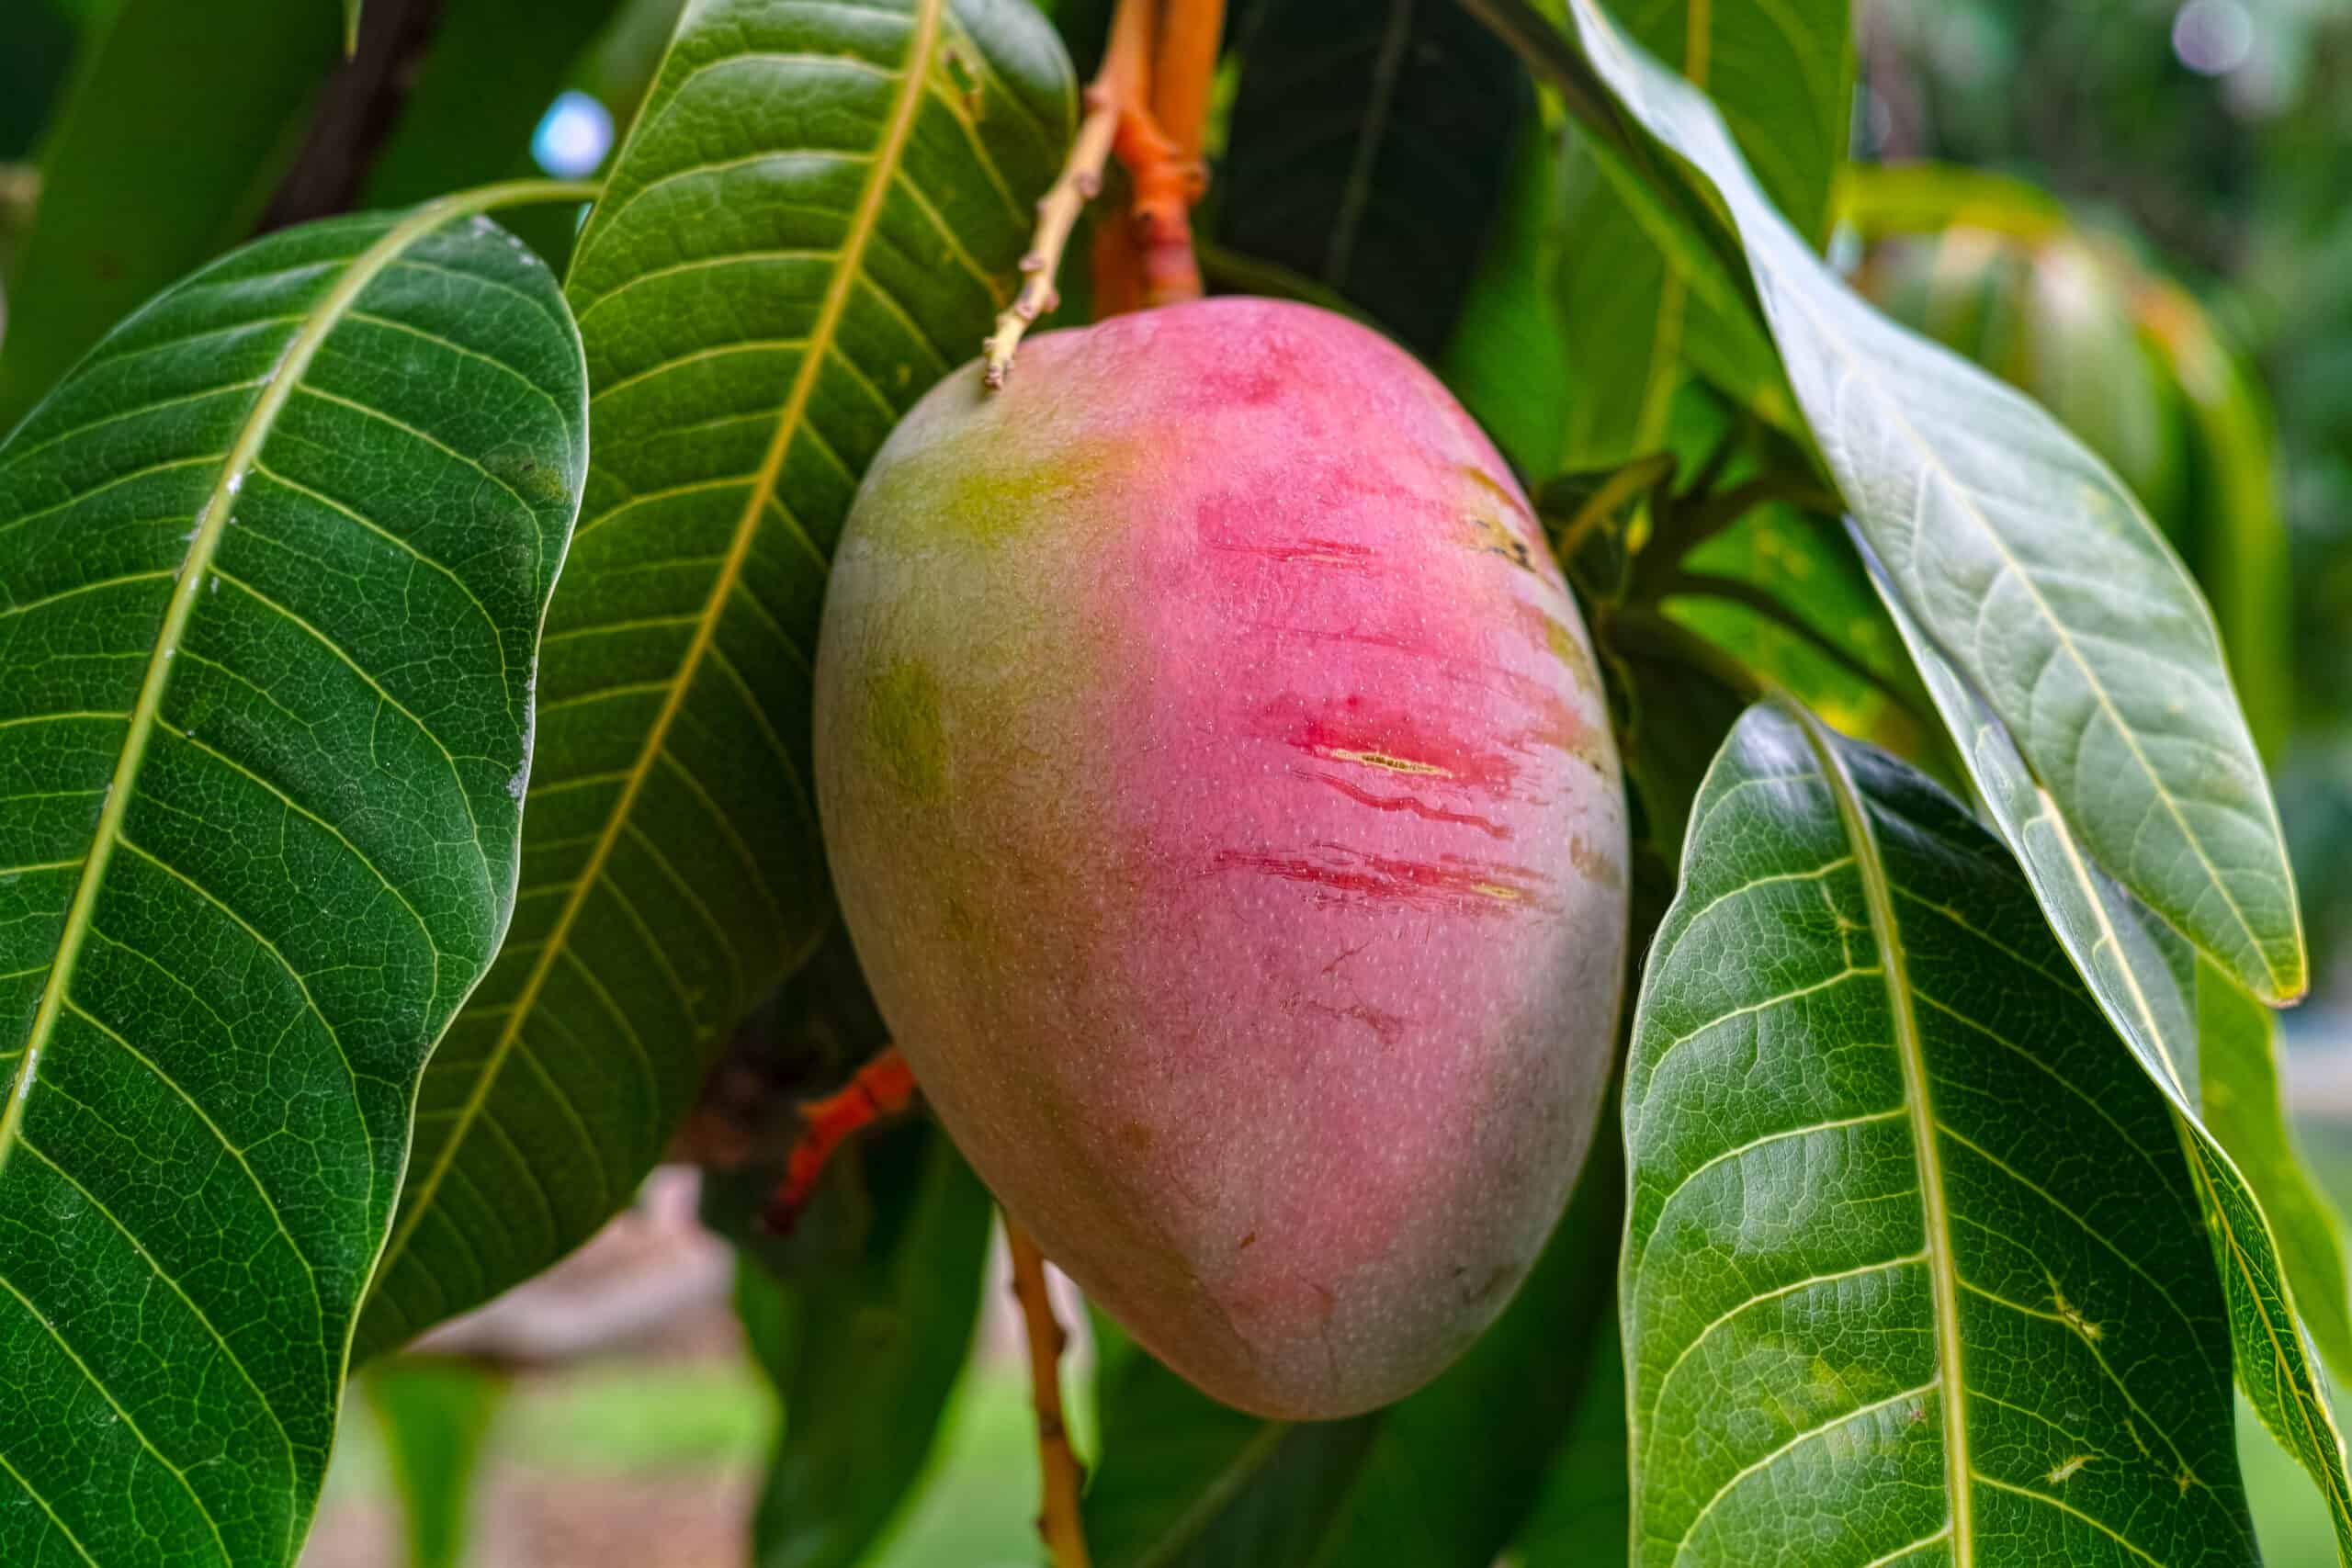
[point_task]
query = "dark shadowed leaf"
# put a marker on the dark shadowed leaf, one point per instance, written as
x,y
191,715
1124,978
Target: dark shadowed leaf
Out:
x,y
273,562
1915,1269
490,74
133,196
2027,562
1368,153
1584,1514
862,1319
817,215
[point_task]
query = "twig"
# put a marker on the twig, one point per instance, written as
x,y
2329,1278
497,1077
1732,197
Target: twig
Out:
x,y
1058,1520
1080,182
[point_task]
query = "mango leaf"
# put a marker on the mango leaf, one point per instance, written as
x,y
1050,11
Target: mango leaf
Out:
x,y
1584,1514
1913,1268
1782,76
1439,1480
2022,556
1362,152
862,1319
435,1414
273,562
2170,1007
817,215
488,77
131,197
1508,359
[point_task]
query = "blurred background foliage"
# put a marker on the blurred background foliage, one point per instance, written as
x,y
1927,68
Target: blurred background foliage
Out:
x,y
2138,210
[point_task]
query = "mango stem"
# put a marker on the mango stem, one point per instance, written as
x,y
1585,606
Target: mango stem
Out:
x,y
1058,1523
1148,108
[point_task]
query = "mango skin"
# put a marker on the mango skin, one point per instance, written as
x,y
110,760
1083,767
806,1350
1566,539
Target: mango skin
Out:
x,y
1222,801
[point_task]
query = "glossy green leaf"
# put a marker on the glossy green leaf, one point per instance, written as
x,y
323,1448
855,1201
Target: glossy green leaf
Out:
x,y
1782,76
2170,1009
1362,152
1439,1480
2027,562
132,196
1915,1269
435,1414
273,562
862,1319
817,215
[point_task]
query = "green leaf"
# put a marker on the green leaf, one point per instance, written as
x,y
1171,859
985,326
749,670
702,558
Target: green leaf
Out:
x,y
1782,76
2238,1070
351,9
2027,562
1585,1510
1913,1266
862,1319
273,562
2170,1009
1362,152
434,1413
133,196
818,213
480,91
1438,1480
1507,360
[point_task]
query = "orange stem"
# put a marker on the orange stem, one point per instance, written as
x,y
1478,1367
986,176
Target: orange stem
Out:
x,y
1059,1520
884,1087
1185,72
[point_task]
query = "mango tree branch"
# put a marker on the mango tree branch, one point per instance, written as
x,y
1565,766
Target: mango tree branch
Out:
x,y
1058,1518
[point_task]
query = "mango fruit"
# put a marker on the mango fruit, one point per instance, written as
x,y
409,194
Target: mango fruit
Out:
x,y
1221,799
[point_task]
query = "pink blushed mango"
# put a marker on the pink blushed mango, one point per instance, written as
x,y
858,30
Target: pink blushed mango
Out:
x,y
1222,801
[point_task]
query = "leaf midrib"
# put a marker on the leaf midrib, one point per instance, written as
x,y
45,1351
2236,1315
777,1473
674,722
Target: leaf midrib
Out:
x,y
1942,1273
865,222
212,523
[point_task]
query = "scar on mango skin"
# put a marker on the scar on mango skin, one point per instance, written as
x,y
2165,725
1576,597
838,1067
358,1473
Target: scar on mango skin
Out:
x,y
1394,764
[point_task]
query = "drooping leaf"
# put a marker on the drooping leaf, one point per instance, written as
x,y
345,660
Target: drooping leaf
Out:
x,y
1439,1480
2163,1003
434,1413
862,1319
1782,76
2025,560
817,215
1364,153
1915,1268
273,562
132,197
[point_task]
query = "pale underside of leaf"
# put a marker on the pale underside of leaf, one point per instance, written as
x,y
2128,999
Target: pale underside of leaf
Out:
x,y
2135,968
2027,560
